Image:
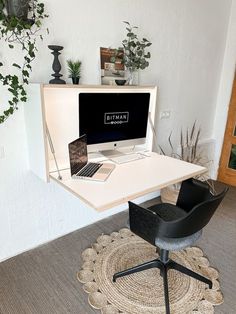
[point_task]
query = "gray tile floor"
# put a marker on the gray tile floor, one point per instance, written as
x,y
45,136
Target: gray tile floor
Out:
x,y
44,281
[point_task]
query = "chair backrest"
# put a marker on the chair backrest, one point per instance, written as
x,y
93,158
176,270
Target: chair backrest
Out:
x,y
196,219
143,222
195,198
192,192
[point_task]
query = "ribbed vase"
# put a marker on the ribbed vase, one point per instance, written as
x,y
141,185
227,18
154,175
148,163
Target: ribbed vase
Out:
x,y
17,8
133,77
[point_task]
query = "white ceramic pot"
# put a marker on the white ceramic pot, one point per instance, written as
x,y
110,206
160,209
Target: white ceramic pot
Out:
x,y
170,194
133,77
18,8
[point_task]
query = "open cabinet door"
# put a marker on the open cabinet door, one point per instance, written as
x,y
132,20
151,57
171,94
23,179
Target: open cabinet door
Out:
x,y
227,168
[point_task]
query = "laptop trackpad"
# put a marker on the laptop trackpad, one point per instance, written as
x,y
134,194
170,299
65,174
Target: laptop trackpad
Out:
x,y
104,170
103,173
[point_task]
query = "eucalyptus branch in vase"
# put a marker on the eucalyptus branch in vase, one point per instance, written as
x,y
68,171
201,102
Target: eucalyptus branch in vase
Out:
x,y
135,55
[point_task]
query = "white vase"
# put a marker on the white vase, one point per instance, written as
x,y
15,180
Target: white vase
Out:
x,y
133,77
170,194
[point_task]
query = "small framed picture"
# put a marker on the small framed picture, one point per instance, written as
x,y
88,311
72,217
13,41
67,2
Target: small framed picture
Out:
x,y
112,67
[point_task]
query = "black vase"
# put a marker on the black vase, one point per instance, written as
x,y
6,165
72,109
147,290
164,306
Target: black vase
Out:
x,y
75,80
17,8
56,66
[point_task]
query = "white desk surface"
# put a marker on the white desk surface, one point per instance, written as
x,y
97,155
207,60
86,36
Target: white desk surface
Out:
x,y
129,180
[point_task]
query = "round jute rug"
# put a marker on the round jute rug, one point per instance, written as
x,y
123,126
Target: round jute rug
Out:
x,y
142,293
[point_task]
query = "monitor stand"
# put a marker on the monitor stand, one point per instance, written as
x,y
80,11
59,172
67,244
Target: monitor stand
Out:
x,y
125,154
113,153
121,151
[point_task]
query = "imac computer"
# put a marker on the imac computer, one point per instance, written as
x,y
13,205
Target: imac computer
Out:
x,y
113,120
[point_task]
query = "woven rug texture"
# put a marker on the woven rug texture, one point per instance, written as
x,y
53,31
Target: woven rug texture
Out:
x,y
142,293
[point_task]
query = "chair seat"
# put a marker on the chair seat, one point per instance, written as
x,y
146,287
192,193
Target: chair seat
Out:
x,y
177,244
169,212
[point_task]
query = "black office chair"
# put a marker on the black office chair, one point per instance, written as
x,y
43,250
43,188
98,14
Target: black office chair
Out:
x,y
173,227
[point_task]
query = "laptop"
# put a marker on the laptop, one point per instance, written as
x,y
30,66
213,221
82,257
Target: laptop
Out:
x,y
79,166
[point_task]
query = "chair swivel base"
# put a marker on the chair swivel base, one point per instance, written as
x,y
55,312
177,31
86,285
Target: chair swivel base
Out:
x,y
164,266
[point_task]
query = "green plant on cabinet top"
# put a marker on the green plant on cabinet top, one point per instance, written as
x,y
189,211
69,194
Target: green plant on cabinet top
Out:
x,y
74,68
24,32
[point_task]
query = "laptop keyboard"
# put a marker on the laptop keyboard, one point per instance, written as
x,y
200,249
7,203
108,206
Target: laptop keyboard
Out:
x,y
89,170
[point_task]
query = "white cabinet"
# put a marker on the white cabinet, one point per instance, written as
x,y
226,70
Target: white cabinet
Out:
x,y
57,105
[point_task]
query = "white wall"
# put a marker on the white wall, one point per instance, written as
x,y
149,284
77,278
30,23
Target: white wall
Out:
x,y
188,38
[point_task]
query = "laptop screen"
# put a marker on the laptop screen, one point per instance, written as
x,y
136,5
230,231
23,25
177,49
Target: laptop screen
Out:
x,y
78,154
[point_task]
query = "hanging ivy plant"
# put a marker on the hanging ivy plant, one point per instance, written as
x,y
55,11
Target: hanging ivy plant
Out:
x,y
24,32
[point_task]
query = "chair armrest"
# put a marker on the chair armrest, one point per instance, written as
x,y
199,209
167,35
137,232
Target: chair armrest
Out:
x,y
143,222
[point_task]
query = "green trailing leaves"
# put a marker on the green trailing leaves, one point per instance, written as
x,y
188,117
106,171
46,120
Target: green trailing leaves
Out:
x,y
17,90
16,65
24,32
25,73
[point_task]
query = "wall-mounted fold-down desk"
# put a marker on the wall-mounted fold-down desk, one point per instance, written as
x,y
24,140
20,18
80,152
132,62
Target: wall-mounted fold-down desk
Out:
x,y
130,180
58,106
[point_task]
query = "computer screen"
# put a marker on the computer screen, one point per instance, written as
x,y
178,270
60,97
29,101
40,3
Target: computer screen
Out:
x,y
115,118
78,154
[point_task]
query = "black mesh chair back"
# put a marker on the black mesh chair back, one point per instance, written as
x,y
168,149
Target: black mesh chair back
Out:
x,y
202,207
192,192
143,222
196,219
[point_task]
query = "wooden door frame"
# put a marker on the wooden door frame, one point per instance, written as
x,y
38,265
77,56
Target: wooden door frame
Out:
x,y
226,174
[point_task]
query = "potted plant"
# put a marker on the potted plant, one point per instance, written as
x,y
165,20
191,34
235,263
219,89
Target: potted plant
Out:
x,y
135,55
20,23
74,68
17,8
188,151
